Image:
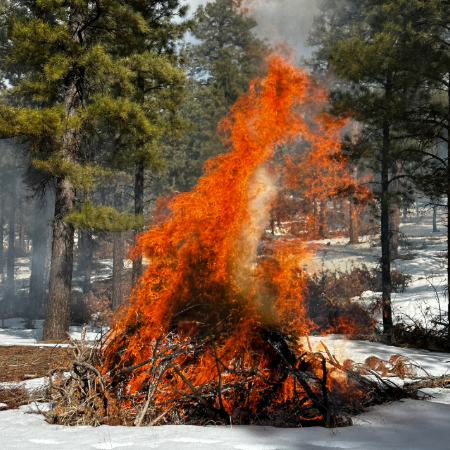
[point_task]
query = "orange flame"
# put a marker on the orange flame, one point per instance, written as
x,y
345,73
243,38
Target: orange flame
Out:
x,y
204,276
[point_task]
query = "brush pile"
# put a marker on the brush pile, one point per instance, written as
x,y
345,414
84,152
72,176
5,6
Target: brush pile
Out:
x,y
211,332
295,389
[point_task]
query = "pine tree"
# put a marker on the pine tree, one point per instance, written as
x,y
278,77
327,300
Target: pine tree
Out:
x,y
72,82
158,79
221,65
375,61
427,44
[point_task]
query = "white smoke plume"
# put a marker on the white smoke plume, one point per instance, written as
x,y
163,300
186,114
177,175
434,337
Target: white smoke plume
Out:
x,y
261,192
280,21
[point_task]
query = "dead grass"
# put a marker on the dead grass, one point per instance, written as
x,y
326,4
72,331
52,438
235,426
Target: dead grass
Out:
x,y
14,396
19,363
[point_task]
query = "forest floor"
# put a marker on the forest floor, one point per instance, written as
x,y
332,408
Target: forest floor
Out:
x,y
25,362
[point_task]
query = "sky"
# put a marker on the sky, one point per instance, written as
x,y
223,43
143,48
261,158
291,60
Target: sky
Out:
x,y
280,20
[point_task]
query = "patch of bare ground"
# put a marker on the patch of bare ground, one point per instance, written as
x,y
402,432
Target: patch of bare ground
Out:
x,y
19,362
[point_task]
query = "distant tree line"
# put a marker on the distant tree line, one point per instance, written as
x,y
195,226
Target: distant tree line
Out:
x,y
387,65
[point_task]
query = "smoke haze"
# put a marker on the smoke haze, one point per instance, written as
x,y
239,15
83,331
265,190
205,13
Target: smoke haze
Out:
x,y
280,21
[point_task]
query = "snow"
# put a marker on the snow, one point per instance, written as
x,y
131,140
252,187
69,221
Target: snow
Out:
x,y
408,425
15,333
31,385
427,290
434,363
405,425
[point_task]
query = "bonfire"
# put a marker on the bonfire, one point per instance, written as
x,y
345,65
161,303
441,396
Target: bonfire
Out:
x,y
212,332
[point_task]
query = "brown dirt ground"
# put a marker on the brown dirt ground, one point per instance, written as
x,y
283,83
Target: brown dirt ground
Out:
x,y
20,362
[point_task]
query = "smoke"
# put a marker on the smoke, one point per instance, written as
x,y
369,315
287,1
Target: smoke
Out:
x,y
284,21
261,192
280,21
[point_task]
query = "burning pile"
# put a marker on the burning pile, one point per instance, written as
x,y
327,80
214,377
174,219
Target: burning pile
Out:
x,y
212,331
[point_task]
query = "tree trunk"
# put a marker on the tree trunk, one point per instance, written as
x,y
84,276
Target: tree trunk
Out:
x,y
57,321
394,224
138,210
86,245
21,232
354,228
435,228
394,218
385,241
448,220
323,219
118,255
11,251
354,210
2,231
36,292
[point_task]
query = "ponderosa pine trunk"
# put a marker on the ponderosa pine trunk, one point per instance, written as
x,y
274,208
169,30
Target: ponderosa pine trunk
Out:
x,y
385,241
448,220
323,219
57,321
138,211
394,219
394,225
86,245
118,255
10,257
21,231
36,292
353,228
435,228
353,219
2,231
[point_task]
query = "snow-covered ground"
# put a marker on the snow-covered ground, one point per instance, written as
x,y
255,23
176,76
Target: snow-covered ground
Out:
x,y
407,425
426,291
16,333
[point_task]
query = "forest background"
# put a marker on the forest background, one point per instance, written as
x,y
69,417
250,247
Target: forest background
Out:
x,y
107,106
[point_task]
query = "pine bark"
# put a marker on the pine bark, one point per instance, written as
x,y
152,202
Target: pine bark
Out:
x,y
118,255
448,219
353,229
2,231
86,246
394,219
57,321
323,219
138,210
37,277
385,241
10,258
